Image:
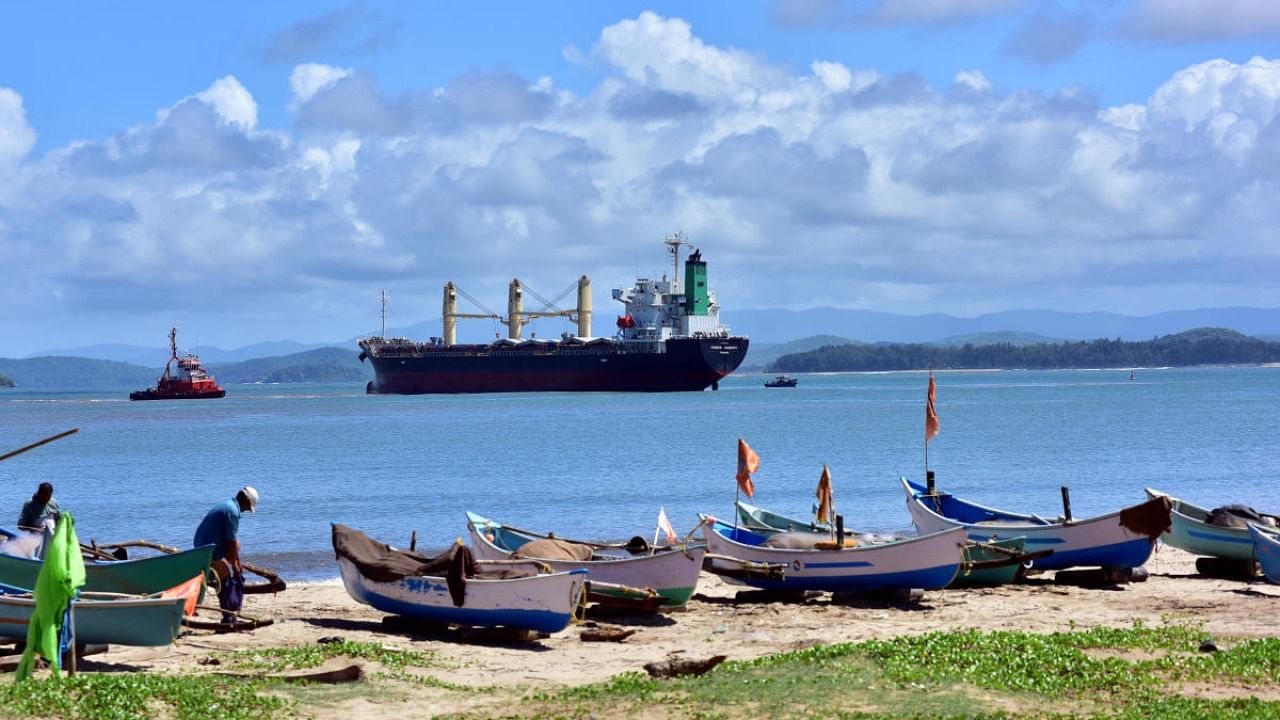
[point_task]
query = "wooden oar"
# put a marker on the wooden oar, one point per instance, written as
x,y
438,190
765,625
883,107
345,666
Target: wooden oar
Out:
x,y
35,445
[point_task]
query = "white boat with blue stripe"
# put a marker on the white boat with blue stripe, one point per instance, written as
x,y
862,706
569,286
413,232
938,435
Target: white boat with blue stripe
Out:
x,y
1192,531
1266,548
929,562
1122,539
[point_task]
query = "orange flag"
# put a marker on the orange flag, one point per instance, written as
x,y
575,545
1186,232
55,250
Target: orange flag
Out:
x,y
824,496
931,411
748,462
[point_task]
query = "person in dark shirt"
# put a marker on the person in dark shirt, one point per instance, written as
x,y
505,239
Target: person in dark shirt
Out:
x,y
41,508
220,528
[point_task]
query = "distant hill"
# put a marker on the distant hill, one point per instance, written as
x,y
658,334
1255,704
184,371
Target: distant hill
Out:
x,y
74,373
768,326
1200,346
761,355
156,356
993,338
328,364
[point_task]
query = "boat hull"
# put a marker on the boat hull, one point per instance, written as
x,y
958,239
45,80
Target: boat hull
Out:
x,y
929,562
1266,549
131,577
153,394
688,364
672,574
143,622
1100,541
1189,531
543,603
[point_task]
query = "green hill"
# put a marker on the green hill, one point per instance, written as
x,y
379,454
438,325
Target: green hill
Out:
x,y
761,355
328,364
75,373
993,338
1201,346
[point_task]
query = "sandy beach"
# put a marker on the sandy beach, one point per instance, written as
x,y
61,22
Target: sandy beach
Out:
x,y
719,621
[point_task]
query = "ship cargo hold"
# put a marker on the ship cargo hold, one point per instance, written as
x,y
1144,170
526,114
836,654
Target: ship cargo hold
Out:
x,y
668,339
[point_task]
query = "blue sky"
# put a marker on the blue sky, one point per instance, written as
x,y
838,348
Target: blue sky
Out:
x,y
260,171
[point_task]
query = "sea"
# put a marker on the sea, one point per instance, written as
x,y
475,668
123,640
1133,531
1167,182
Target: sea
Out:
x,y
600,465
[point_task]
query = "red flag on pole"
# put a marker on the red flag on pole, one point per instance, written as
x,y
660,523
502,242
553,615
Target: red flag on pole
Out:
x,y
825,499
748,462
931,411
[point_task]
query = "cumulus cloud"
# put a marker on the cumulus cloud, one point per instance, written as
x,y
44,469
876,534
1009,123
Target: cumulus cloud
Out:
x,y
821,185
17,137
1181,21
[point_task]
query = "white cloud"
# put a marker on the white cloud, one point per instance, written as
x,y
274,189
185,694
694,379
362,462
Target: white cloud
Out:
x,y
16,136
1188,20
310,78
919,198
232,102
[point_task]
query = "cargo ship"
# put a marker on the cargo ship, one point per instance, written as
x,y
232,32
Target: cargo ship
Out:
x,y
183,379
669,338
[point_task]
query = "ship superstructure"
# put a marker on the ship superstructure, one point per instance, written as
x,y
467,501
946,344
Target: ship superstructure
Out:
x,y
668,338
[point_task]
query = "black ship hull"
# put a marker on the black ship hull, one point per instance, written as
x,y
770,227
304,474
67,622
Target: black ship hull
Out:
x,y
687,364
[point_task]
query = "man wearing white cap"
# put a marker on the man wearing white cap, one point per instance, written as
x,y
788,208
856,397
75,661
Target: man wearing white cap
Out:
x,y
220,528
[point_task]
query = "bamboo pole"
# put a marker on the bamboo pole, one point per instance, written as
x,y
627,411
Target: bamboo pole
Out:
x,y
35,445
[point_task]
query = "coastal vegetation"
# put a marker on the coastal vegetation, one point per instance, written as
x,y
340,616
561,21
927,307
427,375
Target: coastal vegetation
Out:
x,y
1132,673
1202,346
5,381
77,373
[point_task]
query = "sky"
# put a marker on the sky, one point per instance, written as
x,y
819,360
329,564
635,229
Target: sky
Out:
x,y
262,171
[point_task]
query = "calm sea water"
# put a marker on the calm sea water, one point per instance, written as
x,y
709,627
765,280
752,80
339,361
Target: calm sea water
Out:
x,y
598,465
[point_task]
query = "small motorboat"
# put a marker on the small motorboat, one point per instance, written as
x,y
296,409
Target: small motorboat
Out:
x,y
183,379
781,381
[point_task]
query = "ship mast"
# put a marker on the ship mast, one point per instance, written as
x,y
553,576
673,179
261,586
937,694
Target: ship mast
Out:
x,y
382,297
673,243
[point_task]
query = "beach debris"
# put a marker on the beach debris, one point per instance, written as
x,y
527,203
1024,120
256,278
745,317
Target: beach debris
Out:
x,y
330,639
1101,577
606,633
1227,568
346,673
672,667
1209,646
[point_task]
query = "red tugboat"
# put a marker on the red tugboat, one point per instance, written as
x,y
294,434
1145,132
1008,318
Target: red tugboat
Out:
x,y
186,381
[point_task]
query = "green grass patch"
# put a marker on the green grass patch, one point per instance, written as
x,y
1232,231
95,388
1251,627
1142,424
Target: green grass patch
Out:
x,y
280,659
129,696
1131,674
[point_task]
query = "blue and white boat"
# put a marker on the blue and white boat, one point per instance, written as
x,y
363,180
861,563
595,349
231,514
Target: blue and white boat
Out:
x,y
1192,531
929,562
1122,539
383,577
1266,549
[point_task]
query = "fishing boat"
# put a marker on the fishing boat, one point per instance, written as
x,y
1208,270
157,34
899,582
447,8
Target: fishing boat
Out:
x,y
1266,549
614,572
452,589
1191,530
1122,539
109,618
995,562
929,562
142,576
782,381
183,378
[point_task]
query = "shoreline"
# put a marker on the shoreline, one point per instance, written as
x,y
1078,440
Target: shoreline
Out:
x,y
720,621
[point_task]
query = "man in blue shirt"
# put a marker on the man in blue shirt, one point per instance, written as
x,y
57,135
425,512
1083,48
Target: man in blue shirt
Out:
x,y
39,509
220,528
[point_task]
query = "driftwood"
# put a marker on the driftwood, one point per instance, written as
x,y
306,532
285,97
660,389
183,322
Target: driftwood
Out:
x,y
606,633
672,667
1227,568
349,673
1096,577
243,623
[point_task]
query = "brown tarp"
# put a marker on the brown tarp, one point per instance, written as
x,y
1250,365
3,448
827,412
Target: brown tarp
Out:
x,y
553,549
382,563
1151,518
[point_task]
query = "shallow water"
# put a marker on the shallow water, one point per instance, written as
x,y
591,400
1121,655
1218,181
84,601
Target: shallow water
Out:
x,y
598,465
